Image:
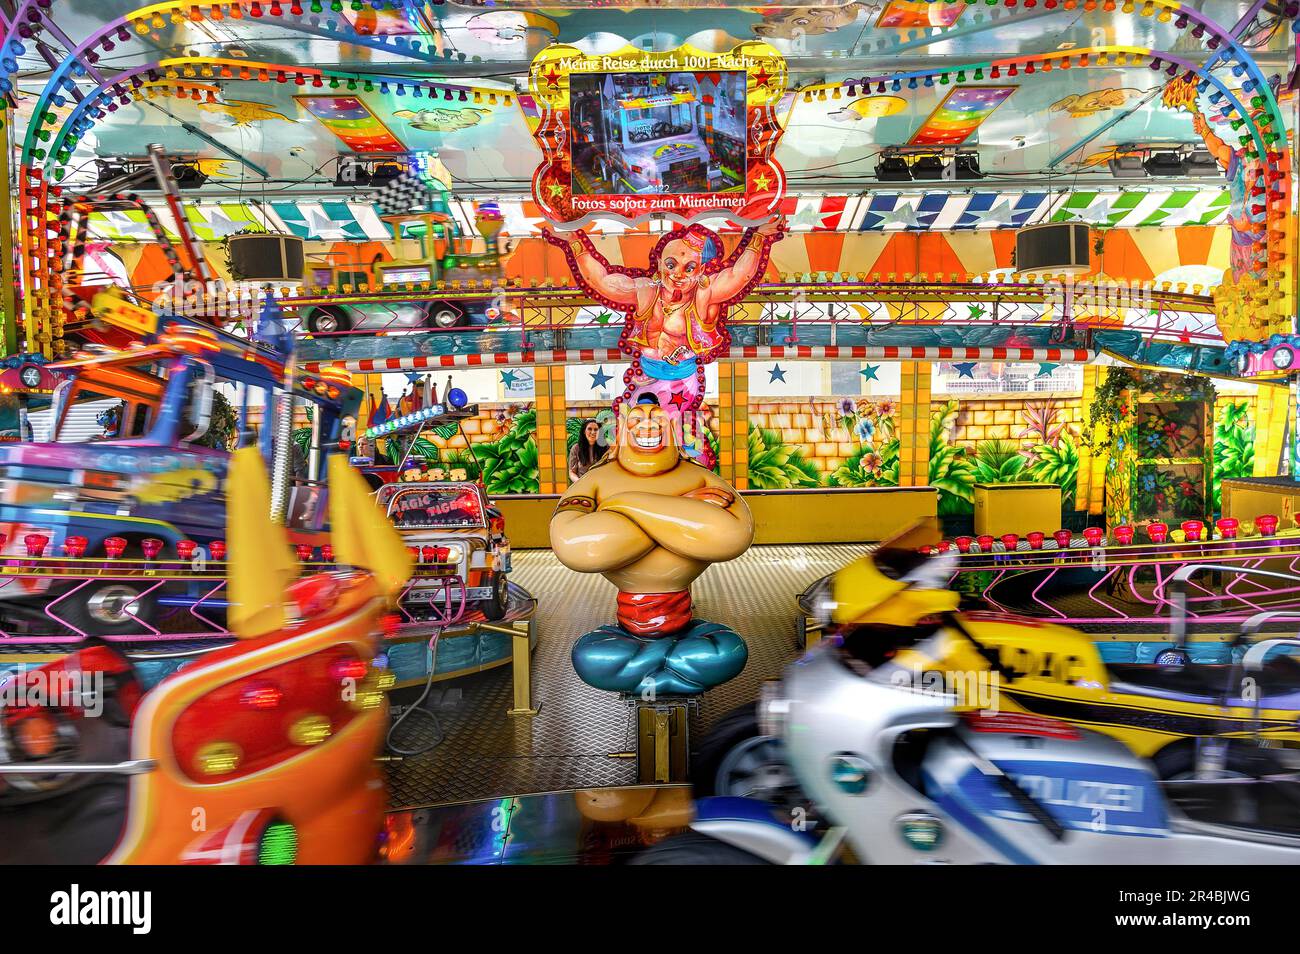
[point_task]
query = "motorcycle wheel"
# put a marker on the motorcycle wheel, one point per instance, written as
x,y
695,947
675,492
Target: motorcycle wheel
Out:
x,y
1177,762
736,759
692,848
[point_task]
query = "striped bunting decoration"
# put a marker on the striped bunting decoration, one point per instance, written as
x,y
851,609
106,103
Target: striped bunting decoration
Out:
x,y
561,356
325,219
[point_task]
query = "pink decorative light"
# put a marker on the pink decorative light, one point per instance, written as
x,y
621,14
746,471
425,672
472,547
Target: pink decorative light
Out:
x,y
963,544
1063,538
327,552
1266,523
114,547
985,540
1010,541
1227,527
151,546
1035,538
75,546
1158,532
218,549
185,549
1193,528
1124,534
304,551
1093,535
36,543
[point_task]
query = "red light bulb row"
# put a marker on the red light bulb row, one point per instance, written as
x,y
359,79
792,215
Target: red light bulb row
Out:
x,y
1227,528
75,546
306,551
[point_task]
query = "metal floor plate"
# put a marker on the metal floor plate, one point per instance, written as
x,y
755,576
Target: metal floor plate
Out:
x,y
567,745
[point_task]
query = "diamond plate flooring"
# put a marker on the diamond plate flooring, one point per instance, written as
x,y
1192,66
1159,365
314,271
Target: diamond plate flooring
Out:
x,y
568,744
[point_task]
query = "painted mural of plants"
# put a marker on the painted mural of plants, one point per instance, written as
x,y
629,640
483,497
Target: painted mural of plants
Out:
x,y
1167,491
868,421
1056,464
460,458
775,465
951,469
1043,423
868,467
1169,429
998,462
1234,447
509,464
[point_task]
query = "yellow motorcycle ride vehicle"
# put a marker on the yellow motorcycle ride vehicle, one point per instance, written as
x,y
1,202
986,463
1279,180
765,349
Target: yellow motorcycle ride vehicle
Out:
x,y
1191,719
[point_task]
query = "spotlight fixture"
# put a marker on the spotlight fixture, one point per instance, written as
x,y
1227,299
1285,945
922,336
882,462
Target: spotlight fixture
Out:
x,y
351,173
968,165
1127,167
893,169
1199,162
1165,163
928,167
188,175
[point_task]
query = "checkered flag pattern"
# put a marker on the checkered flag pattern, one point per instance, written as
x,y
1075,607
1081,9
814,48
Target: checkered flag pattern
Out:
x,y
407,193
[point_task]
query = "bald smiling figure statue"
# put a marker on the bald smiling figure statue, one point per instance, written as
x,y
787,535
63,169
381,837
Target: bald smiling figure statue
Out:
x,y
650,521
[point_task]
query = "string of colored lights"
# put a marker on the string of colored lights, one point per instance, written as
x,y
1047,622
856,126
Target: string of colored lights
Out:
x,y
129,85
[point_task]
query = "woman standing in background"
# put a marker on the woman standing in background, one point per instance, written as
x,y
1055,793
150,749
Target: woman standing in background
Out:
x,y
586,450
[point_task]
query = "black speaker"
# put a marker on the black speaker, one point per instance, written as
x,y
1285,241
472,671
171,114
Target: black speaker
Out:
x,y
265,257
1053,248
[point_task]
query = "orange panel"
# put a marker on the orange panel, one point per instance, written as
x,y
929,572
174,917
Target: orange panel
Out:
x,y
1194,243
825,250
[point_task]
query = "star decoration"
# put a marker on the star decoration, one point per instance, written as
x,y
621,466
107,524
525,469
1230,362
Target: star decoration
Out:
x,y
965,369
321,226
508,378
776,374
904,214
222,224
1097,213
808,217
600,378
762,77
976,312
413,377
123,224
1001,215
556,189
553,78
761,182
869,372
678,399
1045,368
604,318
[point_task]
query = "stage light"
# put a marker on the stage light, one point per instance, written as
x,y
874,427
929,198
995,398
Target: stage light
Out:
x,y
893,169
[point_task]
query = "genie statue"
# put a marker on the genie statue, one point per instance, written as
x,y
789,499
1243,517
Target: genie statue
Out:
x,y
651,521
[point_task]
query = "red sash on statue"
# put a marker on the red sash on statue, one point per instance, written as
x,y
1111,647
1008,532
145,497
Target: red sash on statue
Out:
x,y
654,614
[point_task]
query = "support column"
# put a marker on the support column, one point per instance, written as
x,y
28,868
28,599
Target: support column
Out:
x,y
552,445
1272,408
732,422
914,424
8,278
1090,488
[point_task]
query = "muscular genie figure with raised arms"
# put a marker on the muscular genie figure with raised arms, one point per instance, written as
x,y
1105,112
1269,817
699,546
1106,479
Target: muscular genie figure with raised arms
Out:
x,y
676,310
650,521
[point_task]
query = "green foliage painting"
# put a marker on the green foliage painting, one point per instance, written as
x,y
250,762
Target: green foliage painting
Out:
x,y
509,465
952,470
1234,447
1055,464
775,465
